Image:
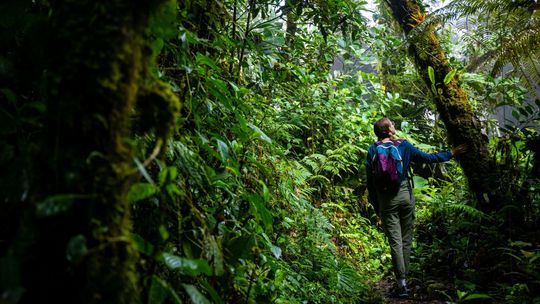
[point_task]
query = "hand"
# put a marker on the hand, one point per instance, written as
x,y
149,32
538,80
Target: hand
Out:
x,y
460,149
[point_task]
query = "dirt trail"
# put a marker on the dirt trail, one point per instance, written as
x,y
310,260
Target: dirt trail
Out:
x,y
385,287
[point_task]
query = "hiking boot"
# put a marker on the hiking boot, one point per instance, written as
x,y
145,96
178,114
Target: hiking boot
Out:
x,y
402,292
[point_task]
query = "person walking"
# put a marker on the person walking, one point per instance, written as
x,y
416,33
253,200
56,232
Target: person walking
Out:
x,y
390,192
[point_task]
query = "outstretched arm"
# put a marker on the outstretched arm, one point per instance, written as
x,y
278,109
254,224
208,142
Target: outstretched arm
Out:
x,y
422,157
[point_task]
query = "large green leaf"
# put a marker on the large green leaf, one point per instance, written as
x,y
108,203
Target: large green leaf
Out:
x,y
195,295
279,277
191,267
475,296
241,247
205,60
212,292
449,76
57,204
276,251
223,150
259,210
218,88
431,74
140,191
260,133
214,253
158,291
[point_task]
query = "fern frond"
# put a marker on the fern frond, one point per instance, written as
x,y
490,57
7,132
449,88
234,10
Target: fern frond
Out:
x,y
531,75
347,279
467,211
516,47
507,32
300,175
321,221
320,157
460,8
322,178
308,191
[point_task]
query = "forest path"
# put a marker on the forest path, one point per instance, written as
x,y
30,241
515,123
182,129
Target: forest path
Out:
x,y
385,288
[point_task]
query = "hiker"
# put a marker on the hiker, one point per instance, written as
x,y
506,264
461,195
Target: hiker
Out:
x,y
390,191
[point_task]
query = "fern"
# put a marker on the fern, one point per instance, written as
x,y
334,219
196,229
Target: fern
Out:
x,y
467,211
308,191
347,279
321,178
518,50
313,164
507,32
300,175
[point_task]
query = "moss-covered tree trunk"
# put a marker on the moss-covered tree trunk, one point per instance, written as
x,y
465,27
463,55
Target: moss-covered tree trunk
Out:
x,y
77,246
452,104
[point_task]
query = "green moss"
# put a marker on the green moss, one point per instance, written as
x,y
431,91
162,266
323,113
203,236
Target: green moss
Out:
x,y
159,108
100,70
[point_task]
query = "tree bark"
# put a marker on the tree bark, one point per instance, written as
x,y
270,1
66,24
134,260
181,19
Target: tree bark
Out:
x,y
76,246
452,104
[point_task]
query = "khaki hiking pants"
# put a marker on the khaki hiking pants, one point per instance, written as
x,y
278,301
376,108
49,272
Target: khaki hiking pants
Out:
x,y
397,212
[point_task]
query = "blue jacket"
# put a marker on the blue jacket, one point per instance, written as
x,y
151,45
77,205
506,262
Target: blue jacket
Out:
x,y
408,153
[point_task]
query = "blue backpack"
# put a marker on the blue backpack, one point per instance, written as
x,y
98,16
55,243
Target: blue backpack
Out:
x,y
387,166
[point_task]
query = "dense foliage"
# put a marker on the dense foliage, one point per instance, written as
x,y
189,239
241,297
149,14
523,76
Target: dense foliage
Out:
x,y
253,190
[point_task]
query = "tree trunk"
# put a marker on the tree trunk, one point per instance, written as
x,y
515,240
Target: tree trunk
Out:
x,y
292,9
76,246
452,104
